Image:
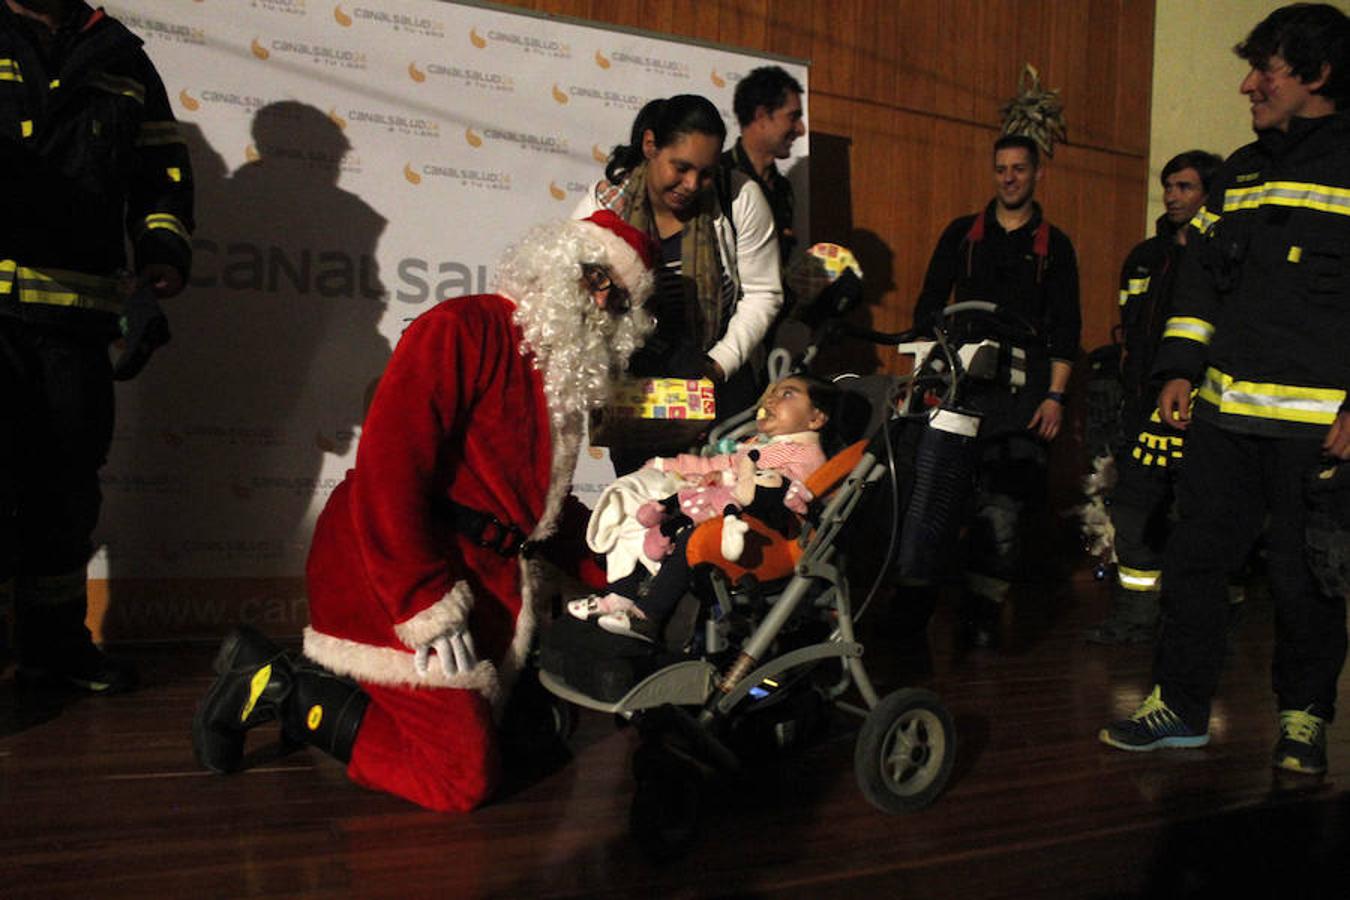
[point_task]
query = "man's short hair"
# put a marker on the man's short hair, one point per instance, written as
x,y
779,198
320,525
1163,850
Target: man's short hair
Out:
x,y
1020,140
766,86
1308,36
1203,162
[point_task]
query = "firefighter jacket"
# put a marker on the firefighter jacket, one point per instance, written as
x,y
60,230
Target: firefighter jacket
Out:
x,y
1147,281
1032,272
1262,320
90,155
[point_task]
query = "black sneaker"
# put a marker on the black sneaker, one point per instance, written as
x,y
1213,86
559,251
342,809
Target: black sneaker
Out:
x,y
1152,726
1302,746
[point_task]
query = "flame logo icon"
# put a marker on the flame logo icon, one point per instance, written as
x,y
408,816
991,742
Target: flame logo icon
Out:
x,y
408,173
336,119
718,80
251,153
342,18
259,50
415,73
557,192
189,102
598,155
559,95
475,39
601,60
473,139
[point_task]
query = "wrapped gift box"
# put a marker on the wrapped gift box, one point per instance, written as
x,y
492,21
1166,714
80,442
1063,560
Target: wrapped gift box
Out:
x,y
654,412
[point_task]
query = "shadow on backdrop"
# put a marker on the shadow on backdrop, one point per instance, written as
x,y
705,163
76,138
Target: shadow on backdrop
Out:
x,y
218,463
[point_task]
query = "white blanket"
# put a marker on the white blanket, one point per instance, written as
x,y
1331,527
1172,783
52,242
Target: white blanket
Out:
x,y
614,530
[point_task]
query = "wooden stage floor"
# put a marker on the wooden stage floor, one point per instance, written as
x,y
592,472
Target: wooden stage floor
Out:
x,y
100,797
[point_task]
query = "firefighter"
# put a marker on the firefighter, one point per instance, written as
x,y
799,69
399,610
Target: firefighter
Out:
x,y
91,158
1141,504
1010,255
1260,330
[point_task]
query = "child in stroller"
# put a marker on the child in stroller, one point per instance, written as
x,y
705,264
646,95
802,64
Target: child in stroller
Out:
x,y
791,441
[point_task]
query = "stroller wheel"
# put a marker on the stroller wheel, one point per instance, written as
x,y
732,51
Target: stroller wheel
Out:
x,y
905,751
666,804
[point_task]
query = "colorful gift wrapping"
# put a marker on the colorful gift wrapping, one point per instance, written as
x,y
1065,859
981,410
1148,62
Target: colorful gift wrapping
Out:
x,y
654,412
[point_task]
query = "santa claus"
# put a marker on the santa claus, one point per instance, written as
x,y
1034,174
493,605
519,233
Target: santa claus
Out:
x,y
423,576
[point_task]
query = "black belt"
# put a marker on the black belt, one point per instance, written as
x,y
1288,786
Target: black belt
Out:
x,y
486,530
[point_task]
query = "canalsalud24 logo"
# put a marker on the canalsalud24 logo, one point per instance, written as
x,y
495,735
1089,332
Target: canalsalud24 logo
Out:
x,y
387,121
161,29
654,65
347,16
318,54
462,76
193,99
587,94
523,42
475,179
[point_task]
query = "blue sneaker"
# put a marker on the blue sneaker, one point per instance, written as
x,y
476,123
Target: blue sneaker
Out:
x,y
1151,727
1302,746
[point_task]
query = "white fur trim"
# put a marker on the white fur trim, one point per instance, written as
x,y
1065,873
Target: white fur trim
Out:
x,y
387,666
450,613
623,259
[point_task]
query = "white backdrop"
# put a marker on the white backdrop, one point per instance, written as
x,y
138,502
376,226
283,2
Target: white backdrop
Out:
x,y
355,163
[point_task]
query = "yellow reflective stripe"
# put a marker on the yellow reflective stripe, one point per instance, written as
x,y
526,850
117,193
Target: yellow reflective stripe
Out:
x,y
115,84
54,84
26,128
164,220
1302,194
175,174
1138,579
9,70
155,134
1189,328
1133,288
1281,402
1204,220
59,287
1295,254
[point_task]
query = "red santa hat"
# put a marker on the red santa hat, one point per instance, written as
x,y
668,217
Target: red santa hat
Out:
x,y
630,252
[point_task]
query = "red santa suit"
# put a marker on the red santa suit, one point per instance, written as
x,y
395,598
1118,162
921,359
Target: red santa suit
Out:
x,y
459,417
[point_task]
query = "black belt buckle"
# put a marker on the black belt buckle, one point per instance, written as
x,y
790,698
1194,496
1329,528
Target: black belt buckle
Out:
x,y
499,537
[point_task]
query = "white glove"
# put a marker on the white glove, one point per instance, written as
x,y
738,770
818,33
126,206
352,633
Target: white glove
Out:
x,y
454,650
734,530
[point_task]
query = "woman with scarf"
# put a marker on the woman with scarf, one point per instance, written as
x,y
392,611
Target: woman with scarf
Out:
x,y
718,288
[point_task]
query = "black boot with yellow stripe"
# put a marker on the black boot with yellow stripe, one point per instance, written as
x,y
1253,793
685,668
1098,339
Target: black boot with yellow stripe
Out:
x,y
258,682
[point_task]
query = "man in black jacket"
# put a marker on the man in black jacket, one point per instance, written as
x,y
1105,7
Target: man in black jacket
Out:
x,y
89,156
1010,256
1148,462
1260,331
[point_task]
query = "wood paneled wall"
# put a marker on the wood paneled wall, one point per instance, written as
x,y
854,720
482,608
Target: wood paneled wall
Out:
x,y
911,89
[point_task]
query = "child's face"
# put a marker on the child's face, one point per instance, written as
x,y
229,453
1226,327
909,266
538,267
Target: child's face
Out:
x,y
786,408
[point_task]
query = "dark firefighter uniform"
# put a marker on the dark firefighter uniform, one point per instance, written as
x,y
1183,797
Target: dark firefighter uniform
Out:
x,y
1151,454
91,156
1032,273
1262,328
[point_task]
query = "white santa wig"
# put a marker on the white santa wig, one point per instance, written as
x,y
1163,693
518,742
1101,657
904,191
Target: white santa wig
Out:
x,y
578,346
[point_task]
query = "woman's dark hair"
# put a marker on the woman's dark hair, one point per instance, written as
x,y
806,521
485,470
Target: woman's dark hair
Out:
x,y
1308,36
668,119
